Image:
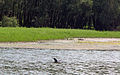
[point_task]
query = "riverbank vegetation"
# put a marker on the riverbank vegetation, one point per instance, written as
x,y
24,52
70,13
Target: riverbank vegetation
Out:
x,y
35,34
76,14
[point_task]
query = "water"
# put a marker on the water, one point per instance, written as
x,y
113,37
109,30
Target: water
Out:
x,y
71,62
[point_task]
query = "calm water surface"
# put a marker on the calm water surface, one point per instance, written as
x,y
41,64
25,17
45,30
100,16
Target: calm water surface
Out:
x,y
72,62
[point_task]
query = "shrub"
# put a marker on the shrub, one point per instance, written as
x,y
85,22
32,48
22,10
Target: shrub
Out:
x,y
118,28
9,22
0,23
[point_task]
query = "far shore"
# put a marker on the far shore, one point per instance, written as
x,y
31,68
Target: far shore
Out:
x,y
68,44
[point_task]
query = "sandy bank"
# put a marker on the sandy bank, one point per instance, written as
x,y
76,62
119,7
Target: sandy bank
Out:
x,y
71,43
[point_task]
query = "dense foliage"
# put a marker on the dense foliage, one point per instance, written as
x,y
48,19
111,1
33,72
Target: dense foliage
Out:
x,y
80,14
9,22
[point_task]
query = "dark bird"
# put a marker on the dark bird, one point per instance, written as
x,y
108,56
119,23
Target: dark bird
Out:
x,y
55,60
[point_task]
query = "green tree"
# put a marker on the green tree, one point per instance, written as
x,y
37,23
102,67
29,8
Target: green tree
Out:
x,y
105,14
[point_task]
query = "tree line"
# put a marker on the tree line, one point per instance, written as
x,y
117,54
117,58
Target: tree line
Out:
x,y
76,14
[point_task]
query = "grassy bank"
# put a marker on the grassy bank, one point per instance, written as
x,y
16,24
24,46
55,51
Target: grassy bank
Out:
x,y
35,34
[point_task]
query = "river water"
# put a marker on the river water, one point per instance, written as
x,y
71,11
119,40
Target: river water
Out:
x,y
71,62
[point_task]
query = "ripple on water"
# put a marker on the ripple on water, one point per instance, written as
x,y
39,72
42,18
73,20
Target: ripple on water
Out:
x,y
72,62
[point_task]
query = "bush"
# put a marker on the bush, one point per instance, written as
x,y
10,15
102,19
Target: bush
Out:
x,y
118,28
9,22
0,23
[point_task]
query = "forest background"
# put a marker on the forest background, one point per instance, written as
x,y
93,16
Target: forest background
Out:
x,y
75,14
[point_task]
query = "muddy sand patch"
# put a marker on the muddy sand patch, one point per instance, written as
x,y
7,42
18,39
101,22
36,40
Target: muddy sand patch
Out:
x,y
70,44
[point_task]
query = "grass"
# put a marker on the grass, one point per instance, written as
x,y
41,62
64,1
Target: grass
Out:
x,y
34,34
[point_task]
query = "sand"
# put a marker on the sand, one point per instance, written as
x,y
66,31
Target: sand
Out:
x,y
68,44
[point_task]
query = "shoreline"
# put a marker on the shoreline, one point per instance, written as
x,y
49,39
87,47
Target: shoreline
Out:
x,y
68,44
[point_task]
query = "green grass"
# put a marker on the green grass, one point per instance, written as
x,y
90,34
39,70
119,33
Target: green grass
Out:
x,y
35,34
